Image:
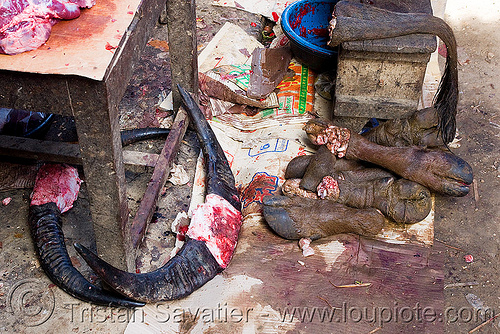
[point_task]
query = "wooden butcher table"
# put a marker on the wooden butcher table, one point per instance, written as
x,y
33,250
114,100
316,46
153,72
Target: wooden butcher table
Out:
x,y
83,71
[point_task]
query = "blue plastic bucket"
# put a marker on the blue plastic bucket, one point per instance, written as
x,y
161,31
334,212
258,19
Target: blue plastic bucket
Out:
x,y
305,23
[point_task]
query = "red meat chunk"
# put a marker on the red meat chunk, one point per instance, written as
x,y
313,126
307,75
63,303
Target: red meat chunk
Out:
x,y
26,24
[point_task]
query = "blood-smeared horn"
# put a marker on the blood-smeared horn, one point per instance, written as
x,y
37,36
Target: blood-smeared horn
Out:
x,y
211,237
45,224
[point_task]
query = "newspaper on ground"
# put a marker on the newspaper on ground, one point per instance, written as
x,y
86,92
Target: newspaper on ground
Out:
x,y
231,45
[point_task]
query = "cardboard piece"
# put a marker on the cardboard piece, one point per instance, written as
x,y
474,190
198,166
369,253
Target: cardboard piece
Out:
x,y
231,45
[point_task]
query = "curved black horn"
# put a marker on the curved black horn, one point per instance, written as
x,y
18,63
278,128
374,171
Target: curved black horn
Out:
x,y
200,259
45,226
134,135
188,270
220,179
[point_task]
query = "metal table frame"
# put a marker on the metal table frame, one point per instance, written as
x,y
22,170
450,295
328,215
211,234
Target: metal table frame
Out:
x,y
94,106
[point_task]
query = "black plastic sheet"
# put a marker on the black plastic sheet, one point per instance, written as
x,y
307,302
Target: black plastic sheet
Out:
x,y
22,123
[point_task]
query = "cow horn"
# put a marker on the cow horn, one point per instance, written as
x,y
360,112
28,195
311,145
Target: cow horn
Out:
x,y
45,225
200,259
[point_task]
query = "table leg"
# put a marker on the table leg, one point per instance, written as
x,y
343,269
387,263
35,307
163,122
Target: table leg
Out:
x,y
101,151
181,21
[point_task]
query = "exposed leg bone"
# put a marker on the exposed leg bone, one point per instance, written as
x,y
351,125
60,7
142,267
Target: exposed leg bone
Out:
x,y
437,170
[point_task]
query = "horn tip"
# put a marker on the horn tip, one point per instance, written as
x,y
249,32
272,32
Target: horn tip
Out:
x,y
92,259
181,90
80,248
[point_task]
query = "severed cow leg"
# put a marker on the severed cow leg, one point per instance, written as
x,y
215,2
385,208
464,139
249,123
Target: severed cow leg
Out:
x,y
350,183
440,171
418,129
296,217
403,201
299,168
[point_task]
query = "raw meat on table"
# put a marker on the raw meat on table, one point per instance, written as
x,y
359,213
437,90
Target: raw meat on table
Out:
x,y
25,25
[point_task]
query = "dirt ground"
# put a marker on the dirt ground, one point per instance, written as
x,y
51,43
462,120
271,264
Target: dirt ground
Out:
x,y
464,226
470,225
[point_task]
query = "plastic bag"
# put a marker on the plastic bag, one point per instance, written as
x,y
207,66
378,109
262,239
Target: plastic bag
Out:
x,y
22,123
